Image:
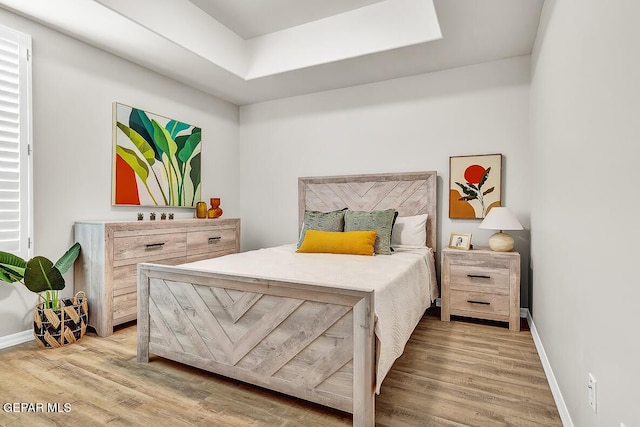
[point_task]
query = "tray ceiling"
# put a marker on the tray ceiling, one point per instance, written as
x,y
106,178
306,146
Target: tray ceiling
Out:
x,y
256,50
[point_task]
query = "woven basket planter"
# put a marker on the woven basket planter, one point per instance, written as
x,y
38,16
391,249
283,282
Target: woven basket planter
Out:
x,y
53,328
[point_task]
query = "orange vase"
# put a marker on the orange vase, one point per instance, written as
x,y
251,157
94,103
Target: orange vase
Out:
x,y
201,210
215,211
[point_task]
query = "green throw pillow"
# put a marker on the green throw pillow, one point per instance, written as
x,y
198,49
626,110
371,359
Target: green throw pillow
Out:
x,y
381,221
323,221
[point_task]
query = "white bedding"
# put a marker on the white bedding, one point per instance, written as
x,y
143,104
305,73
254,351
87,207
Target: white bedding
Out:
x,y
404,285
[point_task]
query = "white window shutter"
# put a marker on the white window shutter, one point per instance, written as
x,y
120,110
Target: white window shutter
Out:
x,y
15,143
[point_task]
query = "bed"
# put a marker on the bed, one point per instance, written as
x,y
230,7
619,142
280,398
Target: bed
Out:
x,y
299,324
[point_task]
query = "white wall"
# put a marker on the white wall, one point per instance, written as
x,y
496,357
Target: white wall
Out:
x,y
74,86
585,109
408,124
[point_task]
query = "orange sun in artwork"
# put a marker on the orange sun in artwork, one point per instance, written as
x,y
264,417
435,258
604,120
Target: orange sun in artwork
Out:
x,y
473,174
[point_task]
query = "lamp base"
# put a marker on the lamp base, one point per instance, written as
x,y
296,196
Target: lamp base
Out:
x,y
501,242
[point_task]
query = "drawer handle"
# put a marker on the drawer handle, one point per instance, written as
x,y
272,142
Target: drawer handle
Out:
x,y
479,276
155,245
214,239
470,301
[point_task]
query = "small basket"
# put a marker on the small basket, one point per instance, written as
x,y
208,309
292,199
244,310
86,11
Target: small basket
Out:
x,y
56,327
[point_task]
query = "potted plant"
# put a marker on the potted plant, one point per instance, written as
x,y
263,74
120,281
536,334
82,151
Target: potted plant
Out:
x,y
56,322
140,216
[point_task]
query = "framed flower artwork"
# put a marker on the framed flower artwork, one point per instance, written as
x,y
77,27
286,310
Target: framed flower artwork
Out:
x,y
475,185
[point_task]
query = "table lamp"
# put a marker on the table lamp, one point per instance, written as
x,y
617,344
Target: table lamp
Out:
x,y
501,218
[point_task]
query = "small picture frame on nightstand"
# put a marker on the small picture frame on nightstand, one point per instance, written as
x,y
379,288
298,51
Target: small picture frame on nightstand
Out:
x,y
460,241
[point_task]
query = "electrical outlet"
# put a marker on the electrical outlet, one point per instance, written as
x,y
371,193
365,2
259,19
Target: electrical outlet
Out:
x,y
591,386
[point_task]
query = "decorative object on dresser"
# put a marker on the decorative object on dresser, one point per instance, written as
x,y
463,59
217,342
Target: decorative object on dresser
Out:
x,y
152,216
475,185
501,218
107,269
482,284
140,216
460,241
201,210
215,211
156,160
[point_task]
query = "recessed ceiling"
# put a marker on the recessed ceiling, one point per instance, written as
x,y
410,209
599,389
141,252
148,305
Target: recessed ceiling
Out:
x,y
255,50
254,18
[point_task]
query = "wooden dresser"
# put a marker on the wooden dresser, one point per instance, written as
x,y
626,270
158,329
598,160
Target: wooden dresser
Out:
x,y
107,267
481,283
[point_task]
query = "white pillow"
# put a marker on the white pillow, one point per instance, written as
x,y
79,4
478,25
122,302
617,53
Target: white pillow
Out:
x,y
410,231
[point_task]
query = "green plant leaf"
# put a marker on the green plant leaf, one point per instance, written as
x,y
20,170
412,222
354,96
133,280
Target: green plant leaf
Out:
x,y
190,146
467,190
42,275
194,174
68,258
484,177
136,163
141,144
163,140
467,198
139,121
180,141
175,127
12,267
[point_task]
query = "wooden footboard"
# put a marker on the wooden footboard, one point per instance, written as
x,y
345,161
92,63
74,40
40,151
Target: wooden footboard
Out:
x,y
312,342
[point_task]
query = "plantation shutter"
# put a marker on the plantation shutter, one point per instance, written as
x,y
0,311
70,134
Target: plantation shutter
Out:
x,y
15,142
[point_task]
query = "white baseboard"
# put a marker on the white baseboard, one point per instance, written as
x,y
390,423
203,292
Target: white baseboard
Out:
x,y
551,378
15,339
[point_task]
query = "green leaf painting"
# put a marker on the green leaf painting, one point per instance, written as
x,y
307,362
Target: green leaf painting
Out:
x,y
157,160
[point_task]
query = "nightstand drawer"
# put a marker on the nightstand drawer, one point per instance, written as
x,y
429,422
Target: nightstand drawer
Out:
x,y
478,303
479,279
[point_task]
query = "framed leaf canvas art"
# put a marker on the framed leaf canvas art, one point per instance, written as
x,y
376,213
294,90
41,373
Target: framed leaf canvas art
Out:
x,y
475,185
156,160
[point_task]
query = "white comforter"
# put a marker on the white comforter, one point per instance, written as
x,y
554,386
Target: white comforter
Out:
x,y
404,285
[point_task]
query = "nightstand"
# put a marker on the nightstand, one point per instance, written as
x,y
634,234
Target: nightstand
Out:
x,y
481,283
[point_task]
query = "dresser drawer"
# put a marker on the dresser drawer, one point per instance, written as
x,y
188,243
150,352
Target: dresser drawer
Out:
x,y
210,240
148,247
125,277
125,308
479,278
474,304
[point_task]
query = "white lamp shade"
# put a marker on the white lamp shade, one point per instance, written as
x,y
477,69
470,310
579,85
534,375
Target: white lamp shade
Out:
x,y
501,218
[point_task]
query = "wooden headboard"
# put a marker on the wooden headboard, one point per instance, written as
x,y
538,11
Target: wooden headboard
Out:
x,y
410,194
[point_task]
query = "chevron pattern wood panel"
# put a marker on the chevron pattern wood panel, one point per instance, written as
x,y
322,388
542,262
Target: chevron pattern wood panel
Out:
x,y
410,194
298,344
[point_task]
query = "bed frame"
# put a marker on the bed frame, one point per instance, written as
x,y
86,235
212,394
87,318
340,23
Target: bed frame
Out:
x,y
312,342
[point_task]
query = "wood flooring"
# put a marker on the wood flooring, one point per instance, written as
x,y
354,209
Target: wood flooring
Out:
x,y
451,374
